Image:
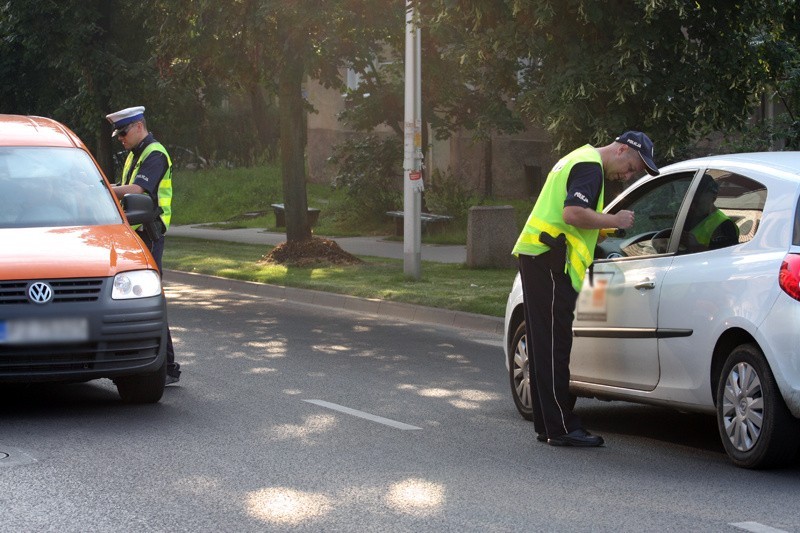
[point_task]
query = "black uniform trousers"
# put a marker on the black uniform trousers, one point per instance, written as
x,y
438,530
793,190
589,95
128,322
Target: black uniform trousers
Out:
x,y
157,250
549,308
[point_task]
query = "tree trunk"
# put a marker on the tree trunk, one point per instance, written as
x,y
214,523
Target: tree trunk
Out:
x,y
293,146
104,151
488,178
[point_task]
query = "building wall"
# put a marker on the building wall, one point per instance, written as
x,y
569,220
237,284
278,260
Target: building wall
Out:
x,y
325,131
519,163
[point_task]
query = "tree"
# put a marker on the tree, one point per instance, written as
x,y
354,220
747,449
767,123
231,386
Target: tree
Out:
x,y
456,94
277,44
72,60
587,70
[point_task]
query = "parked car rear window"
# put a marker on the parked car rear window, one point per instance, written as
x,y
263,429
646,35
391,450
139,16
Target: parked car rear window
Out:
x,y
52,187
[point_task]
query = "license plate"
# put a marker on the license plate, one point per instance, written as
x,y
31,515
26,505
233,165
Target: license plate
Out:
x,y
43,330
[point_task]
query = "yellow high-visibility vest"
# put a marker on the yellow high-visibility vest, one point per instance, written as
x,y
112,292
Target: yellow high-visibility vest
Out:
x,y
548,216
164,188
705,229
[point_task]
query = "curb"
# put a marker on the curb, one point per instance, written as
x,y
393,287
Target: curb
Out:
x,y
371,306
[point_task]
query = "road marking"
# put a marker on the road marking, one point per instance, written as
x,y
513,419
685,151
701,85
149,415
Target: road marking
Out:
x,y
755,527
362,414
13,457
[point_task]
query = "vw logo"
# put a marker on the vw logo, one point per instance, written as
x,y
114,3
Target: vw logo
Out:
x,y
40,292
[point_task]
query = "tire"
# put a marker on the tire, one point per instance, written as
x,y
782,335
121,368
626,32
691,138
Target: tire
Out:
x,y
756,428
143,388
520,374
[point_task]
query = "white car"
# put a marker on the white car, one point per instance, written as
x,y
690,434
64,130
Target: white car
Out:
x,y
662,321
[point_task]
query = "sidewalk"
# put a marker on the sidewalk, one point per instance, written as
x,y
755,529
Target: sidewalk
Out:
x,y
374,246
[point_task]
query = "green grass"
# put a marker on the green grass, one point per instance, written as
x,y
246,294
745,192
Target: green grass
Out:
x,y
242,197
445,286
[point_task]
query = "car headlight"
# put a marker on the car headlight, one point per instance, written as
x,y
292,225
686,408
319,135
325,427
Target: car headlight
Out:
x,y
136,284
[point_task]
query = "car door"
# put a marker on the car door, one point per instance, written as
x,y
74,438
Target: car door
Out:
x,y
616,318
708,289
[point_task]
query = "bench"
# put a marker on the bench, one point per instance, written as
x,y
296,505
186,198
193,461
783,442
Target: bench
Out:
x,y
429,221
280,215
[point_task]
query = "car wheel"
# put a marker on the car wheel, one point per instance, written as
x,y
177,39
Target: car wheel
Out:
x,y
520,374
143,388
757,429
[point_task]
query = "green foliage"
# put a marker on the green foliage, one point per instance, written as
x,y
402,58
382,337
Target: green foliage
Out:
x,y
677,70
274,46
74,61
227,128
456,95
445,194
781,133
369,169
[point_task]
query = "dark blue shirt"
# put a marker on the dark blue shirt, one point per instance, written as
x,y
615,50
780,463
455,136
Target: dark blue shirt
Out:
x,y
584,185
152,169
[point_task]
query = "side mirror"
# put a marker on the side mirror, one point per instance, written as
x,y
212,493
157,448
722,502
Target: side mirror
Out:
x,y
139,208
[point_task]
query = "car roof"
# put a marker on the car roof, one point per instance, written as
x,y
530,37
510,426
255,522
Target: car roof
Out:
x,y
17,130
787,163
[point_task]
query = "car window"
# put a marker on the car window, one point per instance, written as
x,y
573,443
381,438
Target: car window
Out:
x,y
725,210
52,187
655,205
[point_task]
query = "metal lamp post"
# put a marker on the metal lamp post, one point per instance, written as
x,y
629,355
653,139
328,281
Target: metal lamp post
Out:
x,y
412,149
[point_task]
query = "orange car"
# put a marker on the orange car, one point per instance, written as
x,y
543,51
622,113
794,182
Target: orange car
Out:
x,y
80,294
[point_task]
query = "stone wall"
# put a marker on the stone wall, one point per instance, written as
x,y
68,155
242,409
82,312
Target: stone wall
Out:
x,y
491,235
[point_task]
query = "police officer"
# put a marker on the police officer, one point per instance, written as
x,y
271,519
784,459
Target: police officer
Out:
x,y
554,249
148,169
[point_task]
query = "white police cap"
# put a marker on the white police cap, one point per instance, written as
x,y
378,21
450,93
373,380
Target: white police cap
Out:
x,y
126,116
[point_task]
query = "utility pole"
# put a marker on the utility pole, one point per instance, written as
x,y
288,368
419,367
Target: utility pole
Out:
x,y
412,149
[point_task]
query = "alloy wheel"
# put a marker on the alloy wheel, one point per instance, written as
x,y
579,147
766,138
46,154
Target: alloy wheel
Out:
x,y
522,376
743,406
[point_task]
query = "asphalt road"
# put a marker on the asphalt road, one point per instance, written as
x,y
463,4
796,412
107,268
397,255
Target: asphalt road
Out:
x,y
302,418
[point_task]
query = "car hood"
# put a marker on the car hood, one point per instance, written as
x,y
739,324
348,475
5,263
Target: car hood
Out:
x,y
71,252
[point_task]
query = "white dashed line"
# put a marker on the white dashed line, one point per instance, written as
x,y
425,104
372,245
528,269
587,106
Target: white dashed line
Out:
x,y
14,457
361,414
755,527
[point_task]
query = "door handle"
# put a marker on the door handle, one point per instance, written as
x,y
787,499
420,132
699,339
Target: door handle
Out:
x,y
645,284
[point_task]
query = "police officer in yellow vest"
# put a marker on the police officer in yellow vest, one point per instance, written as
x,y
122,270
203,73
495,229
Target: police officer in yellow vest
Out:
x,y
708,227
148,170
554,249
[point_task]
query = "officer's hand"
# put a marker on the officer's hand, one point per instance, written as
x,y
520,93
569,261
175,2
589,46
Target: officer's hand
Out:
x,y
624,219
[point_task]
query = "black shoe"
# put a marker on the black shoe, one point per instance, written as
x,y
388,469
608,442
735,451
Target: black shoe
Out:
x,y
577,437
173,373
541,438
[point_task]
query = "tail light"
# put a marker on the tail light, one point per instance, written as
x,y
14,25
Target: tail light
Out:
x,y
789,277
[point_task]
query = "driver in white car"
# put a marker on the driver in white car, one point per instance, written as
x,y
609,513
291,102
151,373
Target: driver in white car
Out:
x,y
710,227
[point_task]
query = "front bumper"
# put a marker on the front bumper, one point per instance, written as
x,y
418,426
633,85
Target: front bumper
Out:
x,y
123,337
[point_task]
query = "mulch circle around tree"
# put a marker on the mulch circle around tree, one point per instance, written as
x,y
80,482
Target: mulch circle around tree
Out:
x,y
313,252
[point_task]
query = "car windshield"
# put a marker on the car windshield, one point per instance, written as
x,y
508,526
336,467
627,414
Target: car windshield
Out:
x,y
52,187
